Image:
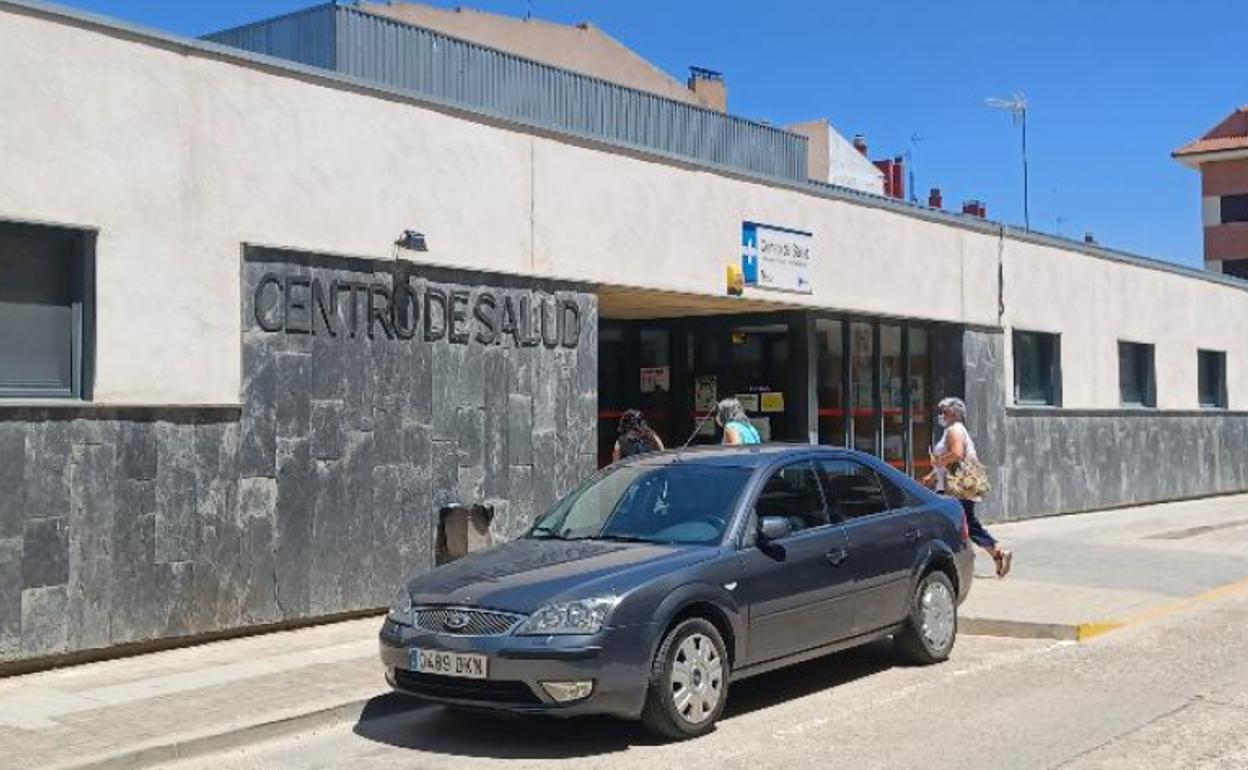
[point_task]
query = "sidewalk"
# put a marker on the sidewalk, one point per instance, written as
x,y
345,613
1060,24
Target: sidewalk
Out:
x,y
1073,577
1081,575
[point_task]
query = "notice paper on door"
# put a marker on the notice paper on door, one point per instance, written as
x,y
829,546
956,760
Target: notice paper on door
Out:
x,y
772,402
749,401
656,379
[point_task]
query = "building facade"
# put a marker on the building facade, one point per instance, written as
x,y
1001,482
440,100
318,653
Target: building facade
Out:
x,y
1221,156
266,316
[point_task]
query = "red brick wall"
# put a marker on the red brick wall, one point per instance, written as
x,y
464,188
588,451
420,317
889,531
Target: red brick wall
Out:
x,y
1228,177
1229,241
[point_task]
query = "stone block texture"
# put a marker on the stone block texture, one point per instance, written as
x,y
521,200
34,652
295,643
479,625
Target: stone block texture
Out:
x,y
1045,461
372,394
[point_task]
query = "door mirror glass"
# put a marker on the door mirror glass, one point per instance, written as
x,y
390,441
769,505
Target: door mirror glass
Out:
x,y
774,528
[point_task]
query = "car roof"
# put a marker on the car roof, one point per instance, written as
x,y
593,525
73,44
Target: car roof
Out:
x,y
734,456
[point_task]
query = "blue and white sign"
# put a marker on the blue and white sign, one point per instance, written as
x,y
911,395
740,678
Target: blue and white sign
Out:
x,y
776,258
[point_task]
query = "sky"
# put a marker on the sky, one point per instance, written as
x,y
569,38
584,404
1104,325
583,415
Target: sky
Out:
x,y
1114,86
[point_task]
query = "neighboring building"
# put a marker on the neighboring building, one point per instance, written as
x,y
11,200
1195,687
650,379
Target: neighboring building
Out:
x,y
581,48
1221,155
238,388
835,160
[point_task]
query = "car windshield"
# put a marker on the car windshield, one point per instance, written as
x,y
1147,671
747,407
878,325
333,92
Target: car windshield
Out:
x,y
687,504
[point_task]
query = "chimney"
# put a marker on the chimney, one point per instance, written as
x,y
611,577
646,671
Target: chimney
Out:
x,y
975,209
886,168
899,177
1087,238
934,198
860,144
709,86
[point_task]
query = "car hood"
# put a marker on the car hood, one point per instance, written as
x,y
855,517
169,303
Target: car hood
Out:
x,y
524,575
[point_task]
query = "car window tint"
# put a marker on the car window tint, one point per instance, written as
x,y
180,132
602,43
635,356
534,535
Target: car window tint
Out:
x,y
852,489
893,494
793,492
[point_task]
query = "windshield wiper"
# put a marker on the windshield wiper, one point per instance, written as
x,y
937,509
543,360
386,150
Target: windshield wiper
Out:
x,y
621,538
541,533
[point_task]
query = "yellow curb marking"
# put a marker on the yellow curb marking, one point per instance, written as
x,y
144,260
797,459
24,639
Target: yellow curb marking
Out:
x,y
1085,631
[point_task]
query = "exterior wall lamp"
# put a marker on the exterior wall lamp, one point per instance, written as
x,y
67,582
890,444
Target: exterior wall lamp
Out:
x,y
412,241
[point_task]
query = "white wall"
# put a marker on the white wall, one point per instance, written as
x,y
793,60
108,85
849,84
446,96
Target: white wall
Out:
x,y
179,159
1093,303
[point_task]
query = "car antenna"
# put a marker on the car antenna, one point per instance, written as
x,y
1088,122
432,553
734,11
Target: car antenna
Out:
x,y
698,427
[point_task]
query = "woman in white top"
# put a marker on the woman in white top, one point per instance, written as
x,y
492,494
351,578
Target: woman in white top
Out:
x,y
956,445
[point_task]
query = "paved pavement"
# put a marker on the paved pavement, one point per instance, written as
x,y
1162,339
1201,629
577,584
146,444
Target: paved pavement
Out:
x,y
1163,696
1159,564
1079,575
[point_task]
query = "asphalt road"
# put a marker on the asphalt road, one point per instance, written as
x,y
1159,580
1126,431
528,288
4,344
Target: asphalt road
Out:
x,y
1171,694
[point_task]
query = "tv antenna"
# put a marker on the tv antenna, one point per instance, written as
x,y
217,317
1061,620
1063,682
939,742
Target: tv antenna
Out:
x,y
1016,105
915,138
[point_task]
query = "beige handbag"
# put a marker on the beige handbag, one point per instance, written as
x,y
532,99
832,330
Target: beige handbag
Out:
x,y
967,480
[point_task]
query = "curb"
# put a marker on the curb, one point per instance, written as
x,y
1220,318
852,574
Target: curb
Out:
x,y
1080,632
199,745
1018,629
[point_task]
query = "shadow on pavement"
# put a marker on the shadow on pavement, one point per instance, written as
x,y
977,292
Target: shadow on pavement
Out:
x,y
403,722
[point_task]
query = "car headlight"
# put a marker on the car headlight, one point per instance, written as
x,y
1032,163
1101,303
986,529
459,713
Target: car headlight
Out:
x,y
585,616
401,607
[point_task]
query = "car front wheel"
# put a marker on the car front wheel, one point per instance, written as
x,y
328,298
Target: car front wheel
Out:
x,y
932,627
688,681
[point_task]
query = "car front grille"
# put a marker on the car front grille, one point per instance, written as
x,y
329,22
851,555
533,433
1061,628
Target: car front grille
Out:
x,y
464,622
484,691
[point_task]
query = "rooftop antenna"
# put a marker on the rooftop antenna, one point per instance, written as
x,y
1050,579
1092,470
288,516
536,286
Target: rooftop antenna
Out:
x,y
909,156
1016,105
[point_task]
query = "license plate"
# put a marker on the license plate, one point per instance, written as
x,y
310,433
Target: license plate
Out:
x,y
444,663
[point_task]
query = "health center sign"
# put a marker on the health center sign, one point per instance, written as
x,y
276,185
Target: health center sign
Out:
x,y
776,258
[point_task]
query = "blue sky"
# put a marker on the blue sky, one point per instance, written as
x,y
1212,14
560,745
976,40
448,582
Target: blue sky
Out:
x,y
1114,86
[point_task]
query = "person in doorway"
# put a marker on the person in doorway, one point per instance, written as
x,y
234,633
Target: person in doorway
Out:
x,y
635,436
732,419
956,446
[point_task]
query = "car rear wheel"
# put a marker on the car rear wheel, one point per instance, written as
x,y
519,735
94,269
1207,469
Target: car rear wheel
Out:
x,y
932,626
688,681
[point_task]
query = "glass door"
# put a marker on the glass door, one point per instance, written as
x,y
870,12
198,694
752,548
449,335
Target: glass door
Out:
x,y
830,381
893,396
863,384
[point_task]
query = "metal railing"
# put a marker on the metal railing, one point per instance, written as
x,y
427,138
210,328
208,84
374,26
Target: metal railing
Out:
x,y
480,79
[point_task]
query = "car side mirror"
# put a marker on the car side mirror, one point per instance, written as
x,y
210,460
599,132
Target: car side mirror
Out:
x,y
774,528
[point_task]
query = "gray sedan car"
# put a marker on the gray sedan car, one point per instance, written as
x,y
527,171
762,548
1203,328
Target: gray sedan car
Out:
x,y
659,581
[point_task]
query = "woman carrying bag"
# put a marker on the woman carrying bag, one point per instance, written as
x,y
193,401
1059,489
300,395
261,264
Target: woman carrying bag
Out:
x,y
957,472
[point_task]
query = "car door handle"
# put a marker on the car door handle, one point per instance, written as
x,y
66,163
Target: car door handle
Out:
x,y
836,556
912,535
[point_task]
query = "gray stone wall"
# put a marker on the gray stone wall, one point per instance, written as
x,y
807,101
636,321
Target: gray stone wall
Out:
x,y
1046,461
321,493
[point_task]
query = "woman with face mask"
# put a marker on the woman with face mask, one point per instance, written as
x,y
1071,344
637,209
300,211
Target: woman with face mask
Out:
x,y
956,446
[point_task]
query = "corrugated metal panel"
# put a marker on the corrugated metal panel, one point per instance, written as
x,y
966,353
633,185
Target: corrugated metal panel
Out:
x,y
492,82
308,36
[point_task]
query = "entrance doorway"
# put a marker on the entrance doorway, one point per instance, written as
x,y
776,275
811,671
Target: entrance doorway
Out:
x,y
867,383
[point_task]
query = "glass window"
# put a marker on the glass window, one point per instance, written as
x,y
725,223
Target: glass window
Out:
x,y
921,405
1212,378
793,492
1037,368
895,496
830,347
42,280
892,396
852,490
665,504
1235,208
1135,374
862,385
